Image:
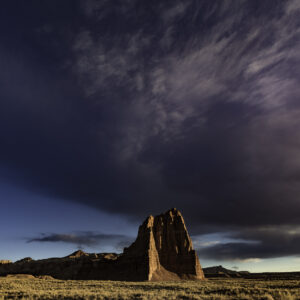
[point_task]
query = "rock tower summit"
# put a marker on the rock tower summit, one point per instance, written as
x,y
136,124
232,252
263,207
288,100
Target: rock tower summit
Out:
x,y
163,250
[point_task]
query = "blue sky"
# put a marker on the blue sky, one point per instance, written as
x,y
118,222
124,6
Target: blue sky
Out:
x,y
26,216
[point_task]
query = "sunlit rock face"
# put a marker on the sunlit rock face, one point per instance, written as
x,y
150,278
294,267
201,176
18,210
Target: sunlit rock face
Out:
x,y
162,250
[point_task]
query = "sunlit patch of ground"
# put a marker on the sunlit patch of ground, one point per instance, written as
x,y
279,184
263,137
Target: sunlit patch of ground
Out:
x,y
47,288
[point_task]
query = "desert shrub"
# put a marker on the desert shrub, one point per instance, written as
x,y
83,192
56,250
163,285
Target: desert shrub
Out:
x,y
213,289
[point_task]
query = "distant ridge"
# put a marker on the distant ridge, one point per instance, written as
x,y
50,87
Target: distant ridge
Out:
x,y
220,271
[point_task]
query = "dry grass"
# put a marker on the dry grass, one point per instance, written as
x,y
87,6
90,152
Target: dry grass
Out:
x,y
28,288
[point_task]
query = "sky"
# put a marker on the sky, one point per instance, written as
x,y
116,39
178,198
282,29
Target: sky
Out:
x,y
114,110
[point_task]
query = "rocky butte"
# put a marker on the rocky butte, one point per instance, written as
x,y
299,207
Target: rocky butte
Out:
x,y
163,250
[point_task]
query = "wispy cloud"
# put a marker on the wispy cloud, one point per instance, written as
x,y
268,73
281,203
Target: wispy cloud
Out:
x,y
80,239
292,6
249,260
212,64
209,244
229,86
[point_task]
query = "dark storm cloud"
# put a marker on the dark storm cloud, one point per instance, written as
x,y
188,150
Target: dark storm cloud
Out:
x,y
83,239
137,107
267,242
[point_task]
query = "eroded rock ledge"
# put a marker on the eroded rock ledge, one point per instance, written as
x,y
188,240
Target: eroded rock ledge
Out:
x,y
163,250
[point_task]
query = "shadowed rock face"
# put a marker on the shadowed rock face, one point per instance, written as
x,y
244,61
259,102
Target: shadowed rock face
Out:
x,y
167,247
163,250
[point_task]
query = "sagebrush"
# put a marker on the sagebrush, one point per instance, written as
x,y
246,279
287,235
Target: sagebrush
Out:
x,y
29,288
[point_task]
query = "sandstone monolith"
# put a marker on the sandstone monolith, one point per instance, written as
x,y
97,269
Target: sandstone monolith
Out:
x,y
163,250
167,249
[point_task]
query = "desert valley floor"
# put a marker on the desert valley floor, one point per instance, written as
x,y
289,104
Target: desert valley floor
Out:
x,y
30,287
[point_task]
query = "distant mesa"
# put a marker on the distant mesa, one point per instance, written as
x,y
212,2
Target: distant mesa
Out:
x,y
24,260
4,262
78,253
219,271
163,250
20,276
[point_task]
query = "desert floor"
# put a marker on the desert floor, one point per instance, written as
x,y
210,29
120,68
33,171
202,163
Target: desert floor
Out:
x,y
27,287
